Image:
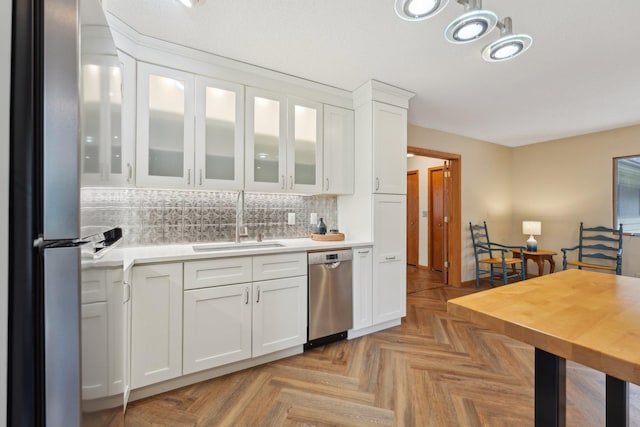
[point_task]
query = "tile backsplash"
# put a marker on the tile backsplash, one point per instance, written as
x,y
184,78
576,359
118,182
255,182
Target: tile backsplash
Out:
x,y
149,216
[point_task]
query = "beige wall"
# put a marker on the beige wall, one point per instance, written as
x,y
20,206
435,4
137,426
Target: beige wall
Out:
x,y
571,180
559,182
486,185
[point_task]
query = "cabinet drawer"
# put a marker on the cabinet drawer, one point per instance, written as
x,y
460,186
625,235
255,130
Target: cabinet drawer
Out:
x,y
217,272
267,267
93,286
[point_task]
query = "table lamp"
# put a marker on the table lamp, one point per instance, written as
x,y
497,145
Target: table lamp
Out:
x,y
532,228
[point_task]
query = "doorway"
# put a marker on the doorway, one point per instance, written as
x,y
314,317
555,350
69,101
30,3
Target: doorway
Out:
x,y
452,265
437,219
413,216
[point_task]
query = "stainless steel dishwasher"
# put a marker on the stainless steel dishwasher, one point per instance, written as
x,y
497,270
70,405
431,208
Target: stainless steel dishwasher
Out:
x,y
330,296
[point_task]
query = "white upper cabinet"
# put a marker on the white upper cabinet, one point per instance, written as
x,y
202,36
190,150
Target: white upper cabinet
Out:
x,y
389,149
101,120
304,148
128,138
266,143
283,149
190,130
338,160
165,145
219,146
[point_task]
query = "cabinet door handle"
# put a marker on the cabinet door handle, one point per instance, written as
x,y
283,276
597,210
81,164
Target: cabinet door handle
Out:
x,y
126,291
200,176
377,184
246,295
390,257
283,181
327,189
290,182
130,174
188,176
363,252
258,296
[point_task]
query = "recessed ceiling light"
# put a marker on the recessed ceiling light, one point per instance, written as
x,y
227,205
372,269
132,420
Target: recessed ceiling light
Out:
x,y
418,10
508,46
472,25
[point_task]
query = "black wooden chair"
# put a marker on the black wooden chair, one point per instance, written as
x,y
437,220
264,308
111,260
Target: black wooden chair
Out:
x,y
598,248
494,259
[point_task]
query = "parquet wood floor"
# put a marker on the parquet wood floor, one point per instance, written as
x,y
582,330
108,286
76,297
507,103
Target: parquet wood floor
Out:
x,y
433,370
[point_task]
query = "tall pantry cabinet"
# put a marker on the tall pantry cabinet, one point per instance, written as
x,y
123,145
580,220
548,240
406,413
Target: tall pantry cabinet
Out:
x,y
379,200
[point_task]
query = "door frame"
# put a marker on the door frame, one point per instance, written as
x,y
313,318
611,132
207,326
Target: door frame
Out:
x,y
417,226
454,210
430,223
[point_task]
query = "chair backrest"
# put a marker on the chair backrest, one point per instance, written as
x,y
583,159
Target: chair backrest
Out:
x,y
480,240
600,243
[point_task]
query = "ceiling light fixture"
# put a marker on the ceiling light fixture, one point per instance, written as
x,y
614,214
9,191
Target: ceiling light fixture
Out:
x,y
192,3
508,46
418,10
472,25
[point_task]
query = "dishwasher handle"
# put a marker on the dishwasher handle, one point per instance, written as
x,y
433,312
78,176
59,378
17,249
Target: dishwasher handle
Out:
x,y
333,265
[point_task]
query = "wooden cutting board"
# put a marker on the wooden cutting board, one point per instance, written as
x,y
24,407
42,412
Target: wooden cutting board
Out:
x,y
327,237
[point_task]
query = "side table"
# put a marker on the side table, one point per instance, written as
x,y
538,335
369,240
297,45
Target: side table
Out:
x,y
539,257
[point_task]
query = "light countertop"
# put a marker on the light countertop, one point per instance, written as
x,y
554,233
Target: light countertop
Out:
x,y
136,255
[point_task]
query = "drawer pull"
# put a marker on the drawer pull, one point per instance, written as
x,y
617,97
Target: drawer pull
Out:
x,y
390,257
364,252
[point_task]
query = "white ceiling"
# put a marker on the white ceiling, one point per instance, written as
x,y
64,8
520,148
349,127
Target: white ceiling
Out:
x,y
581,75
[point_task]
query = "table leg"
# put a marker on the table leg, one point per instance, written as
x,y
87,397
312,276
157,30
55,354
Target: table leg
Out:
x,y
552,264
540,263
617,402
550,390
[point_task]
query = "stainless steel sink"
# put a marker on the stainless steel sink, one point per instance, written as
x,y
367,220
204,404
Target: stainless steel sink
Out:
x,y
232,246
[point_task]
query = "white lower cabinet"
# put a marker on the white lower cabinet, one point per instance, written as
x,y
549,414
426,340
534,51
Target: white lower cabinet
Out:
x,y
156,323
228,321
362,287
209,319
389,257
217,326
103,332
279,314
94,351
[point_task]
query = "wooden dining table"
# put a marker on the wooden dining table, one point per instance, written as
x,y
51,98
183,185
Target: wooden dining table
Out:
x,y
587,317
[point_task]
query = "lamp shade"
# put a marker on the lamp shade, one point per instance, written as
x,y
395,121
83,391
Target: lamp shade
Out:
x,y
533,228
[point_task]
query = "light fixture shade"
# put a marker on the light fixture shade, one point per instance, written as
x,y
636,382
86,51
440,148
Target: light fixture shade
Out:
x,y
418,10
471,26
533,228
508,46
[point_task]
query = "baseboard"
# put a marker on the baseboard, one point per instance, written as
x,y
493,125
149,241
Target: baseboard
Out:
x,y
185,380
356,333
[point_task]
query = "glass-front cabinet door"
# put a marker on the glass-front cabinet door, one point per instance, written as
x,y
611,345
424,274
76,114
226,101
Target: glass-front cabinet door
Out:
x,y
165,143
304,146
283,143
266,141
219,146
101,126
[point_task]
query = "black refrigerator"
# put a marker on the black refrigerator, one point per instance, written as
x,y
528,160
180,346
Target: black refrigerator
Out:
x,y
44,385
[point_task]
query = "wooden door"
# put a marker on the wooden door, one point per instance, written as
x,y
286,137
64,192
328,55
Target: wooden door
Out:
x,y
436,219
413,217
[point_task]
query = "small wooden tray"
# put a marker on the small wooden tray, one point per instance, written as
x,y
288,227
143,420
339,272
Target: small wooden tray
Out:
x,y
327,237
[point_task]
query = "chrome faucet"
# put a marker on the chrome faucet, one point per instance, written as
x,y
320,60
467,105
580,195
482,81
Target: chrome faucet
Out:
x,y
240,218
